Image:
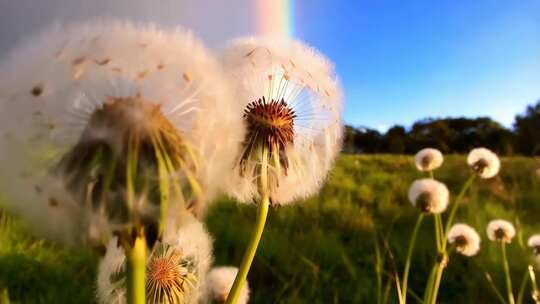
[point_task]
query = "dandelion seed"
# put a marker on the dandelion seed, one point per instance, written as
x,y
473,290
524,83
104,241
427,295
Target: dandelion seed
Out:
x,y
484,162
428,159
219,283
119,149
291,104
429,195
465,238
176,269
534,244
500,231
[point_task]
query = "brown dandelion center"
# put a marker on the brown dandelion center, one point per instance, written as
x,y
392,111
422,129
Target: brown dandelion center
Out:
x,y
163,272
123,133
500,234
480,166
426,161
536,250
170,277
424,201
461,241
270,124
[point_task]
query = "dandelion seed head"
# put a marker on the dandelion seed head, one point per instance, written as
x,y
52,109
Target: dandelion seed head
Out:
x,y
484,162
292,104
534,243
72,91
176,270
429,195
219,284
428,159
500,231
465,238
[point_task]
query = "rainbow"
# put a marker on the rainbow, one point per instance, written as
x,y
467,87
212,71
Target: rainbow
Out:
x,y
275,18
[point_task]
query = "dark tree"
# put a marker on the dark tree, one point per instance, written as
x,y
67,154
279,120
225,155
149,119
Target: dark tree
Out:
x,y
527,129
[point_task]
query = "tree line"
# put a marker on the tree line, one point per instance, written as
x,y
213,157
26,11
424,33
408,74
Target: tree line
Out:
x,y
451,135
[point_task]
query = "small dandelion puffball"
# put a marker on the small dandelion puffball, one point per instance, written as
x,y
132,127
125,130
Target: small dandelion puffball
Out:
x,y
81,104
292,105
219,283
465,238
428,159
176,268
484,162
429,195
500,231
534,244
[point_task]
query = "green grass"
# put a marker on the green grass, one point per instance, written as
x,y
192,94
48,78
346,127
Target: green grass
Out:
x,y
322,250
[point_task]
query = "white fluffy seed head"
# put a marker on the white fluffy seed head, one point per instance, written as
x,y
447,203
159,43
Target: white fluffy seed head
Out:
x,y
295,74
219,283
465,238
428,159
50,86
534,243
484,162
429,195
500,231
188,249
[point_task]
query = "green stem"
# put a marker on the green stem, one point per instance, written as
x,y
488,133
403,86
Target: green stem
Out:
x,y
535,292
455,206
439,233
136,272
522,287
241,277
438,276
429,284
507,275
494,288
412,243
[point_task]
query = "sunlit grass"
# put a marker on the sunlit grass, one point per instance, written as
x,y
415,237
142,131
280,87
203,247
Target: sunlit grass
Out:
x,y
323,251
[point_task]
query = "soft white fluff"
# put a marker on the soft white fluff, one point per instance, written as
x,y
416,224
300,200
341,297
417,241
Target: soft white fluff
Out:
x,y
51,84
428,159
470,238
219,284
191,239
306,81
436,191
534,243
500,230
491,161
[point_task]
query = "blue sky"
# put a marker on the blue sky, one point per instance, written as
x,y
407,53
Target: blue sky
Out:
x,y
401,61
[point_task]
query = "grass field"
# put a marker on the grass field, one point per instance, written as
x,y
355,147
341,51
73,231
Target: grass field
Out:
x,y
323,250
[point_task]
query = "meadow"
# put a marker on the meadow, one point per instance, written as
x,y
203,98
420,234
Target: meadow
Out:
x,y
341,246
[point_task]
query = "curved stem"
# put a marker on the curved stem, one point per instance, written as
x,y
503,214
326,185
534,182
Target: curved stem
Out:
x,y
437,283
522,287
455,206
535,293
262,214
507,275
429,284
412,243
136,272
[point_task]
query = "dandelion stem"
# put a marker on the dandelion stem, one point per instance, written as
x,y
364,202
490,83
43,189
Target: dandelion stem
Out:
x,y
429,284
507,275
136,272
412,244
240,279
438,276
455,206
522,287
439,233
535,293
495,290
